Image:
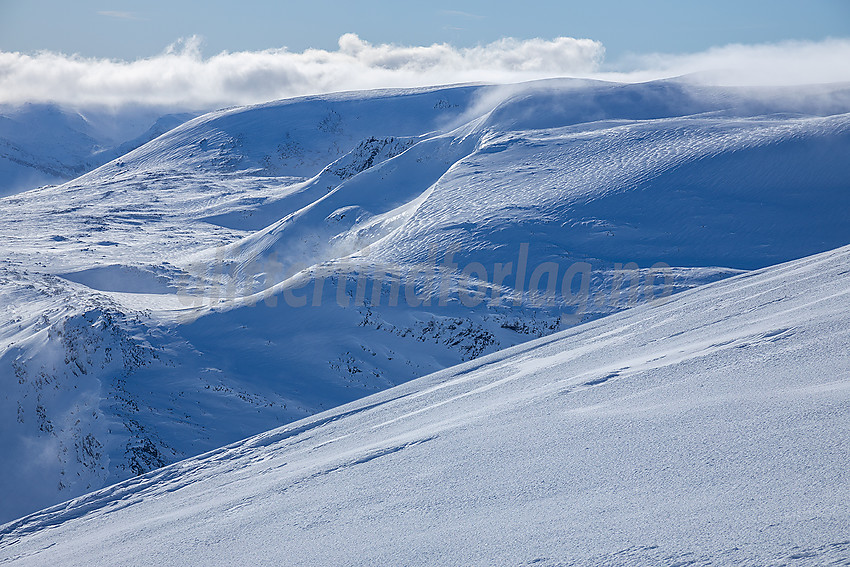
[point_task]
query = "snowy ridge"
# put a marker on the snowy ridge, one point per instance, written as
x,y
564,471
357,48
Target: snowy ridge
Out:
x,y
258,265
709,430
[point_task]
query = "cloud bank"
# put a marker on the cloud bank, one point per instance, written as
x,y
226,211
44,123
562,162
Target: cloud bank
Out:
x,y
785,63
181,77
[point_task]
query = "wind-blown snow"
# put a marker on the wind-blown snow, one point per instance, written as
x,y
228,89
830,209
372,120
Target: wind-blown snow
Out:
x,y
709,430
149,307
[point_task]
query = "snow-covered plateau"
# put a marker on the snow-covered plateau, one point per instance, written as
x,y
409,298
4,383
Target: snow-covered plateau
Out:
x,y
574,322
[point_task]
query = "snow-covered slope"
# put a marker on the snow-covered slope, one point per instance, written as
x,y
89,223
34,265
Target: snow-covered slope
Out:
x,y
45,143
258,265
711,430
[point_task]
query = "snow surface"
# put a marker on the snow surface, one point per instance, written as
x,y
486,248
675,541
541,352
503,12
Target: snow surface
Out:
x,y
146,307
45,143
710,430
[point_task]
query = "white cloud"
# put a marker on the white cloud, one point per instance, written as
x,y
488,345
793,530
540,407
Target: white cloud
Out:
x,y
785,63
181,77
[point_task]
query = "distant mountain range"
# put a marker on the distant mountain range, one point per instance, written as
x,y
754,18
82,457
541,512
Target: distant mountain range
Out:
x,y
44,144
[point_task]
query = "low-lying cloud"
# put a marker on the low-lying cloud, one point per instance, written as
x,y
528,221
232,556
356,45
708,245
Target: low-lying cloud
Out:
x,y
181,77
773,64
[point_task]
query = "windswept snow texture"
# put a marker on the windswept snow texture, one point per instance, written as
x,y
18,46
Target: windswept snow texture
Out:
x,y
259,265
711,430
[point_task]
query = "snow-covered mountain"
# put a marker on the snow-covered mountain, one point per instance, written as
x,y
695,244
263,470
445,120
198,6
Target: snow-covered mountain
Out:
x,y
46,143
258,265
711,430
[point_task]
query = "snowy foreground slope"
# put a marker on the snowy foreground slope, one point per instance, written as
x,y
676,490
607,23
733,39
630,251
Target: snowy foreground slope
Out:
x,y
711,430
258,265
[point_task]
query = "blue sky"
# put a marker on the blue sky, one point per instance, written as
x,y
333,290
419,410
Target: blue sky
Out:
x,y
134,29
